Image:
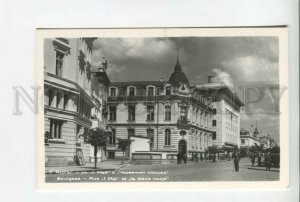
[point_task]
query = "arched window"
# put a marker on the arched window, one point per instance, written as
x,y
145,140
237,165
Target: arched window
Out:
x,y
131,91
167,137
168,90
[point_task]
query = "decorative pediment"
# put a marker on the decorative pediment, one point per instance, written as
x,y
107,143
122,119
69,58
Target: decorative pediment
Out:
x,y
60,46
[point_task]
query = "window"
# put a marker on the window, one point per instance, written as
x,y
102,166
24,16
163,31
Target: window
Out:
x,y
168,112
150,91
214,135
131,132
113,91
242,141
78,129
55,128
214,123
59,63
131,113
150,133
51,97
167,137
66,100
214,111
112,138
183,87
59,99
183,113
112,113
168,90
150,113
131,91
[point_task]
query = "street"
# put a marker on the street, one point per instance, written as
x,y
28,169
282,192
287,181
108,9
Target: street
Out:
x,y
201,171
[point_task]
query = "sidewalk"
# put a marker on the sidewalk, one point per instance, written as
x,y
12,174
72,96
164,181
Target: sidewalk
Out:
x,y
89,167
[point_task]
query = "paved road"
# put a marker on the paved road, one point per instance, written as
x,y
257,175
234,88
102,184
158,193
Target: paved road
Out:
x,y
202,171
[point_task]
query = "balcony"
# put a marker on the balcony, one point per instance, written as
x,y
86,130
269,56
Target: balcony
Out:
x,y
183,124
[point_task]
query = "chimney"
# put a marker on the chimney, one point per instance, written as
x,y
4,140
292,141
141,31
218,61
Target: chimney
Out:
x,y
210,79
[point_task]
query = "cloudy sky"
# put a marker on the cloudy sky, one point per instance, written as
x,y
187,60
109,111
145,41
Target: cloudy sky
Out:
x,y
238,61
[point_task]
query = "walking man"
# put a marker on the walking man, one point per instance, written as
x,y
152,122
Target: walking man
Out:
x,y
184,158
178,158
268,161
196,157
253,159
259,159
236,159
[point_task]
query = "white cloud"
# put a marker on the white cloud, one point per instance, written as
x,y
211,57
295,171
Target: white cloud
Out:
x,y
223,76
132,48
251,68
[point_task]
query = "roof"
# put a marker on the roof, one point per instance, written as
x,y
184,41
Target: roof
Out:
x,y
136,83
219,86
178,76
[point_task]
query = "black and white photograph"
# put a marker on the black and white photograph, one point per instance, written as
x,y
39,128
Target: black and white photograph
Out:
x,y
167,107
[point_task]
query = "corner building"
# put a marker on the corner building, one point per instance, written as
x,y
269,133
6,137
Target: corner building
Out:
x,y
74,99
226,117
161,117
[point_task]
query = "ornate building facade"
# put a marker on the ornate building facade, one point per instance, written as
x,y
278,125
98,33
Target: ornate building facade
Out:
x,y
161,117
74,97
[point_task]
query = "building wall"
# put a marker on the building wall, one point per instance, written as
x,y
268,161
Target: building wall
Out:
x,y
227,129
139,144
198,134
76,104
249,141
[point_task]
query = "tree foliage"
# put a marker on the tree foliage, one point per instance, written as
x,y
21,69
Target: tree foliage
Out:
x,y
213,149
97,137
123,144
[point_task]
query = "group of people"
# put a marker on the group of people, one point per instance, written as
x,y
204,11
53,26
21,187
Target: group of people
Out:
x,y
181,157
266,156
195,157
236,159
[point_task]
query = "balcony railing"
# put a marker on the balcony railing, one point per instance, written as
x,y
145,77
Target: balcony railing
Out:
x,y
183,123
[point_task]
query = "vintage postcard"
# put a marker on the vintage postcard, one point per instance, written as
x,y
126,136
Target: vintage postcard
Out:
x,y
167,108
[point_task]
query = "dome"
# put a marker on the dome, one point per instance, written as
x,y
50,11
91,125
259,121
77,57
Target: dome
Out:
x,y
178,76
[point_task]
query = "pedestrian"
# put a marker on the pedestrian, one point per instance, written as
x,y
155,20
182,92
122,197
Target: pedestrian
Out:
x,y
253,159
178,158
236,159
259,159
268,161
196,157
184,158
201,157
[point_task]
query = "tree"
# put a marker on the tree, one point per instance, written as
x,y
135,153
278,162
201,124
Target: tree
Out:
x,y
213,150
123,144
275,155
97,137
